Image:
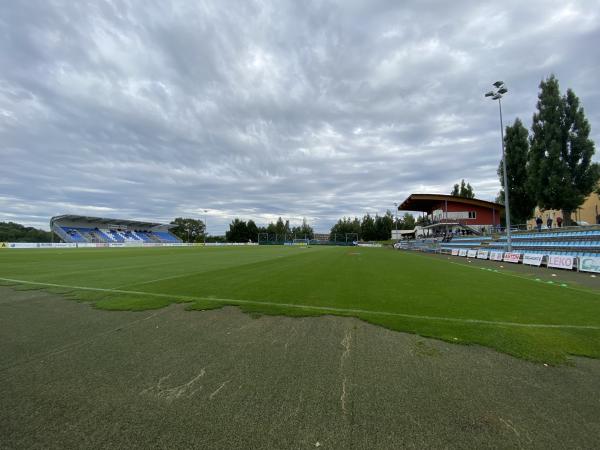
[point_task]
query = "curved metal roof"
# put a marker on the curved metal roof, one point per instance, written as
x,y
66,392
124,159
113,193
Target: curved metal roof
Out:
x,y
107,221
426,202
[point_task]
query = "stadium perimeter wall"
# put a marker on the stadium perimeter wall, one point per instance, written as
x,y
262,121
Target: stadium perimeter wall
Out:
x,y
26,245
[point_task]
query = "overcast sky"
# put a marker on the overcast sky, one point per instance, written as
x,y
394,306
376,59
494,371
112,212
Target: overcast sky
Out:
x,y
256,109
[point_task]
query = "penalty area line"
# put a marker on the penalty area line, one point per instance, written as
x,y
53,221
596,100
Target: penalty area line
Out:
x,y
324,309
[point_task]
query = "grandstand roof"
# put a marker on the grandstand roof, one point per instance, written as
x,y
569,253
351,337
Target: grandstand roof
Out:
x,y
427,202
107,221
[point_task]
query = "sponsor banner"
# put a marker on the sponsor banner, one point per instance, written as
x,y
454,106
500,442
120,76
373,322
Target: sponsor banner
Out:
x,y
369,245
496,256
39,245
561,262
512,257
454,252
589,264
482,254
472,254
122,244
134,244
462,252
532,259
22,245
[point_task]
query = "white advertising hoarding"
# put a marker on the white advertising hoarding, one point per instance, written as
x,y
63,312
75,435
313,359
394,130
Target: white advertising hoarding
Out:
x,y
454,252
532,259
589,264
561,261
496,256
462,252
482,254
472,254
512,257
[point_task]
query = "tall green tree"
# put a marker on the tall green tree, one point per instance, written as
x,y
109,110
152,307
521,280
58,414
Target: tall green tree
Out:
x,y
383,226
463,190
345,226
367,228
303,230
561,172
188,230
238,231
516,145
252,231
407,222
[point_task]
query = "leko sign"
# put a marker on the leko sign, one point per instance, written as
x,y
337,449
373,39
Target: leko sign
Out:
x,y
589,264
560,261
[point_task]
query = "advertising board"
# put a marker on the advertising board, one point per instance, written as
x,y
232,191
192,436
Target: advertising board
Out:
x,y
496,256
589,264
561,261
462,252
482,254
512,257
472,254
454,252
532,259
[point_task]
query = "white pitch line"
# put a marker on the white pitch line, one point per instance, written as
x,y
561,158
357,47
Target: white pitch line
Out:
x,y
324,309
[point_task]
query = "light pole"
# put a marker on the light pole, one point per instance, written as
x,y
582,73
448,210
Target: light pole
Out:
x,y
205,225
496,94
396,208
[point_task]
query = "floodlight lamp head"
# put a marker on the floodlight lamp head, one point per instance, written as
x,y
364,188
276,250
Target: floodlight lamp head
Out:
x,y
502,90
489,94
498,83
497,97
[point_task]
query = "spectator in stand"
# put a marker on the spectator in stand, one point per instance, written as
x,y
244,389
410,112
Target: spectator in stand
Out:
x,y
549,222
559,222
538,223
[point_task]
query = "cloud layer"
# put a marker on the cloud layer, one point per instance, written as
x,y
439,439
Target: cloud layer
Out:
x,y
253,109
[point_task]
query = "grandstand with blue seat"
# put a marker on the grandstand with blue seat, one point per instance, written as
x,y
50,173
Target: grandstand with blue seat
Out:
x,y
85,229
566,242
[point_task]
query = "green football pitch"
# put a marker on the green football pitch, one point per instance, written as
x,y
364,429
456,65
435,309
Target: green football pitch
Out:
x,y
435,297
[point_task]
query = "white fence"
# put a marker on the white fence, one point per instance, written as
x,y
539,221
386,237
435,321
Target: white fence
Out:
x,y
582,264
26,245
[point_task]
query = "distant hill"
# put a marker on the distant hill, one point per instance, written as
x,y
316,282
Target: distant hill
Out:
x,y
15,232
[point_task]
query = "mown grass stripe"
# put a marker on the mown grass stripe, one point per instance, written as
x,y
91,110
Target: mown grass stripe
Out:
x,y
325,309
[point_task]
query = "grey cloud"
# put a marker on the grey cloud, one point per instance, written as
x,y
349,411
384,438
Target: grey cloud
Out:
x,y
260,109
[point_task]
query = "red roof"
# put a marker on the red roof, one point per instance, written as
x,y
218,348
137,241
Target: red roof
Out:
x,y
427,202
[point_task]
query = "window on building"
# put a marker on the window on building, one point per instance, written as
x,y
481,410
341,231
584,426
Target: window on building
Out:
x,y
472,214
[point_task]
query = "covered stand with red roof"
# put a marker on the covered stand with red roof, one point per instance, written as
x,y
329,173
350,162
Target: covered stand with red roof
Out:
x,y
450,212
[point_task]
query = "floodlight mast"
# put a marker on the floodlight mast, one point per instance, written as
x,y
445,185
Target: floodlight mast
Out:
x,y
497,94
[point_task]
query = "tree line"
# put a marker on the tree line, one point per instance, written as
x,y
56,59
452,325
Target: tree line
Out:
x,y
193,230
15,232
551,166
367,228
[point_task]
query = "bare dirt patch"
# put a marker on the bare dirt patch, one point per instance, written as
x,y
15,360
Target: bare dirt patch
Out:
x,y
74,376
